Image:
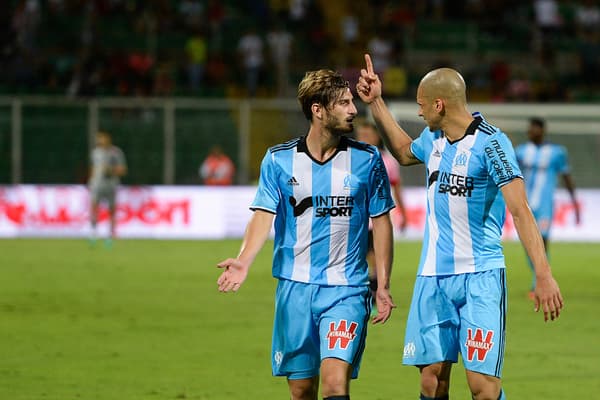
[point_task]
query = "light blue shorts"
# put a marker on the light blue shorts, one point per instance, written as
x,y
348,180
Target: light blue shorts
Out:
x,y
543,218
314,322
463,313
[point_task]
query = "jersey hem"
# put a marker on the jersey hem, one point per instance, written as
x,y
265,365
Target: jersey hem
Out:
x,y
466,272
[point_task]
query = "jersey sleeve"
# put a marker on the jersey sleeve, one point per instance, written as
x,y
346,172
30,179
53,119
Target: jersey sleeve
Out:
x,y
267,195
380,198
501,160
417,147
562,161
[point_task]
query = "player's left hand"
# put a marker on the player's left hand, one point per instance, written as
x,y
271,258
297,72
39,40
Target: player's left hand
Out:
x,y
385,304
234,275
548,298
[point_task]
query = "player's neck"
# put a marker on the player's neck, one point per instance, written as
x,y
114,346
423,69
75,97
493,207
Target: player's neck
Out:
x,y
321,144
455,127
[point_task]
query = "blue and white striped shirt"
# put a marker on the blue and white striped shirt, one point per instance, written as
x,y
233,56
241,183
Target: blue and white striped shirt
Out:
x,y
322,210
465,209
541,167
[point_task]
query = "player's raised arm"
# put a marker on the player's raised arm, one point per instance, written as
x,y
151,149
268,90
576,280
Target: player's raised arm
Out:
x,y
396,139
547,293
236,269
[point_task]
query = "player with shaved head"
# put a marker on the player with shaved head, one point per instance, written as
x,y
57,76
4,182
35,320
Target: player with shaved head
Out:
x,y
459,299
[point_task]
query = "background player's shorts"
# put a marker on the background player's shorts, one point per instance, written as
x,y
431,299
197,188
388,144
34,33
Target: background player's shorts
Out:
x,y
463,313
103,192
314,322
543,218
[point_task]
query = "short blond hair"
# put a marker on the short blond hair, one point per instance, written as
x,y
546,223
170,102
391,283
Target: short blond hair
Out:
x,y
322,87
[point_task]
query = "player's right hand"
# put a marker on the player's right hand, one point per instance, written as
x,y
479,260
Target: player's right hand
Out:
x,y
233,276
369,85
385,305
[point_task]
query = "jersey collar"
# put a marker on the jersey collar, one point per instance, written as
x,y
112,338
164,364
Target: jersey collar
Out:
x,y
470,129
303,148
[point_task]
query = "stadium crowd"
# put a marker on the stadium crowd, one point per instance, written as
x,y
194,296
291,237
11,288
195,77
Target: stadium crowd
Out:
x,y
538,50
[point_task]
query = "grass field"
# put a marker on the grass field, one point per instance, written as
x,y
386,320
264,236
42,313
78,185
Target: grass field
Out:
x,y
144,320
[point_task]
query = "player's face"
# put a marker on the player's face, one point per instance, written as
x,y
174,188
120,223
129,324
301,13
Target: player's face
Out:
x,y
427,110
535,133
340,115
102,140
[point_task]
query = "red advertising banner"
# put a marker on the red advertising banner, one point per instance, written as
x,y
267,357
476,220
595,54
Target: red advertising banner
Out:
x,y
172,212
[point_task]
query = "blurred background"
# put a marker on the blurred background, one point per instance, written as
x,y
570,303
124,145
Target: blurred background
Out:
x,y
171,78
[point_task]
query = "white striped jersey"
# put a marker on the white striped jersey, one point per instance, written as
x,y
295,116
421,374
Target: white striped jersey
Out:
x,y
465,208
541,166
322,210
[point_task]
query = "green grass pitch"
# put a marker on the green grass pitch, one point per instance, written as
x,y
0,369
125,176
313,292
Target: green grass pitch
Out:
x,y
144,320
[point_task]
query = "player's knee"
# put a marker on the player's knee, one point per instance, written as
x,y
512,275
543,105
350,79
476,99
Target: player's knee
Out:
x,y
334,385
435,381
306,390
486,389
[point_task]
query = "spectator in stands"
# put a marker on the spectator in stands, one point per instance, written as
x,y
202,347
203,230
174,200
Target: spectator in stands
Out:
x,y
250,49
196,49
587,16
280,47
217,169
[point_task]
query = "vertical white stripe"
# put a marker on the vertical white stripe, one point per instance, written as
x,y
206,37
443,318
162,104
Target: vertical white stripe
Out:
x,y
541,175
302,171
458,210
339,226
433,164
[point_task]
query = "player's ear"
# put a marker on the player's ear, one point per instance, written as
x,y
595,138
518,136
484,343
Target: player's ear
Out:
x,y
438,105
317,110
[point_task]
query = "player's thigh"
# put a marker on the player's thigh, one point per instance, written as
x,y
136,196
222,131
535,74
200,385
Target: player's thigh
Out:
x,y
335,377
343,320
483,322
295,347
432,327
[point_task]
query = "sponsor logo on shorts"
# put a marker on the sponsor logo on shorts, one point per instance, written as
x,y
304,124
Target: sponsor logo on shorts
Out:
x,y
343,334
478,344
409,349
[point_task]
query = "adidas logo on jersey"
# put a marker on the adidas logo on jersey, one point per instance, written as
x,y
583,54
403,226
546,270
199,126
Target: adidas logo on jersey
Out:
x,y
436,153
292,182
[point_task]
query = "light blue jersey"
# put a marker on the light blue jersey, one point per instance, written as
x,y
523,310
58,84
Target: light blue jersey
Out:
x,y
465,209
541,167
322,210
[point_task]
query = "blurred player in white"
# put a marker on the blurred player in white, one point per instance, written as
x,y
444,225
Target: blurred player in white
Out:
x,y
107,167
542,162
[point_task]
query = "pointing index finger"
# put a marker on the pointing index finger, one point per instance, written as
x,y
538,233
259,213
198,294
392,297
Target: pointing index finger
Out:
x,y
369,64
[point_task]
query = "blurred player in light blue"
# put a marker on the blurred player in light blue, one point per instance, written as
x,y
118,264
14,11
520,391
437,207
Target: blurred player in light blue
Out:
x,y
321,189
107,167
542,163
459,298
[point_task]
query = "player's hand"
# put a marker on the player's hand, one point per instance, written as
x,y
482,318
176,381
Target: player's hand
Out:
x,y
233,276
369,85
548,298
385,304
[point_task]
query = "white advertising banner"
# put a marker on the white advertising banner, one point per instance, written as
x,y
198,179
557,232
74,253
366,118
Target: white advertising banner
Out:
x,y
180,212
